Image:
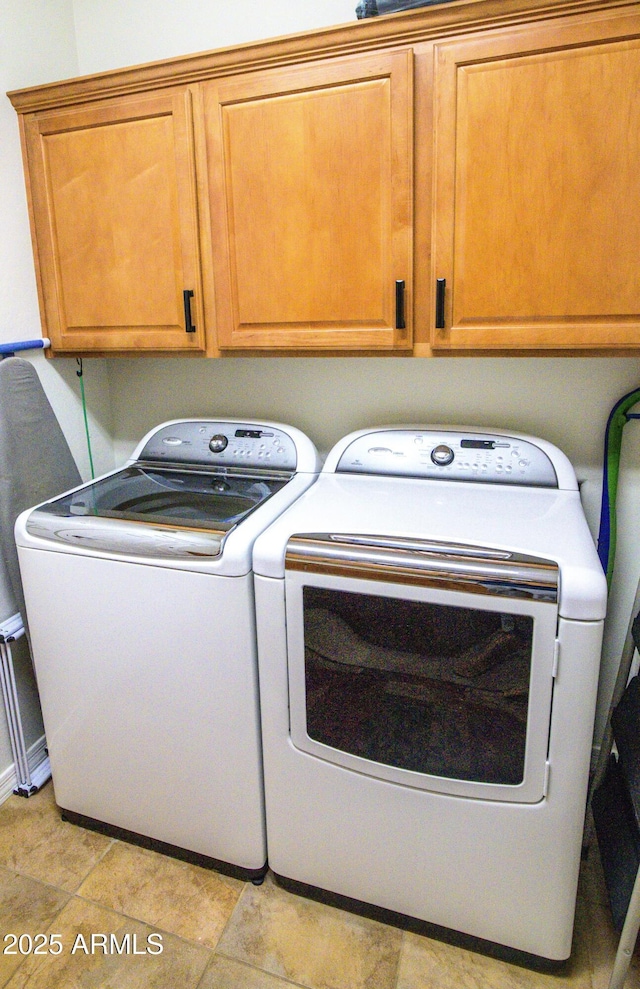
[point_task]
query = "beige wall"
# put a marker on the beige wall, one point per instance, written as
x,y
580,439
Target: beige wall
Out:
x,y
115,33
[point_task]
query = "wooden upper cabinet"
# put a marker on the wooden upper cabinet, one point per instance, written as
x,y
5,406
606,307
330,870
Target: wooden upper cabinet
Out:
x,y
537,185
115,224
310,186
275,182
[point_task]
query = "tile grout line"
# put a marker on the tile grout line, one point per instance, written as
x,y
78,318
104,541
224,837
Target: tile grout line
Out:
x,y
46,882
253,968
235,907
403,941
117,913
190,941
296,985
37,879
53,919
137,920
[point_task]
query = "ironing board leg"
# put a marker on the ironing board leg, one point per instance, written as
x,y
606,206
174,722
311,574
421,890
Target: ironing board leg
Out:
x,y
627,938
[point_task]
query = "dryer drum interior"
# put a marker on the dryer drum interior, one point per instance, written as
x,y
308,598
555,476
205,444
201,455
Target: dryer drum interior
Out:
x,y
433,689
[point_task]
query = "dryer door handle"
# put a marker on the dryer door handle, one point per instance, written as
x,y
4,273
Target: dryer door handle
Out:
x,y
422,546
424,564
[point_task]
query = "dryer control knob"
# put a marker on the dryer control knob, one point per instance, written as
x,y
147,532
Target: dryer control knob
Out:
x,y
217,443
442,455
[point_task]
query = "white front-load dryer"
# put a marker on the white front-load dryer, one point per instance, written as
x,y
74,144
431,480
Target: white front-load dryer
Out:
x,y
140,601
429,620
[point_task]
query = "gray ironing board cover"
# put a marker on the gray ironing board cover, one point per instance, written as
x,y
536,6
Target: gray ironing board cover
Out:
x,y
35,464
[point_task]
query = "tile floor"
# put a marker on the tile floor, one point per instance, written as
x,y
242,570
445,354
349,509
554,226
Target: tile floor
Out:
x,y
219,933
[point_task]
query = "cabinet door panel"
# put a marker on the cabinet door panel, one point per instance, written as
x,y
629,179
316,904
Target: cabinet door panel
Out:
x,y
536,229
115,222
310,179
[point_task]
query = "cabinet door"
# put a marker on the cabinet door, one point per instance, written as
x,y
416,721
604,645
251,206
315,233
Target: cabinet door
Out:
x,y
310,172
115,226
537,185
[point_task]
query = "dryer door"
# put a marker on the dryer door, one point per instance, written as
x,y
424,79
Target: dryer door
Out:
x,y
429,667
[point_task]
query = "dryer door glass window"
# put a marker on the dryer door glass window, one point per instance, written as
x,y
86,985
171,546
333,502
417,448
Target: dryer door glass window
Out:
x,y
425,687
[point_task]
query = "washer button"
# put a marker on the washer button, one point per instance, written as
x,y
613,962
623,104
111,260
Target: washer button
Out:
x,y
442,455
218,443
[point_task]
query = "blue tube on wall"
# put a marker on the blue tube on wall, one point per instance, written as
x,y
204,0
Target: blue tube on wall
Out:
x,y
7,349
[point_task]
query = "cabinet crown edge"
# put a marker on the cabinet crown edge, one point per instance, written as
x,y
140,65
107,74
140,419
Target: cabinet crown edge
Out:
x,y
401,29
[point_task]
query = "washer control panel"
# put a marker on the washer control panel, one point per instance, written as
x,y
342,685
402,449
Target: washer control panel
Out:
x,y
222,444
449,455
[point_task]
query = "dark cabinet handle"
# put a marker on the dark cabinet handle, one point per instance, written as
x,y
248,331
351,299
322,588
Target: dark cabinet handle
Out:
x,y
441,284
187,296
400,318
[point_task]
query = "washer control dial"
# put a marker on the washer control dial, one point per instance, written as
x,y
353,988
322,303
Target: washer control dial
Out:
x,y
442,455
218,443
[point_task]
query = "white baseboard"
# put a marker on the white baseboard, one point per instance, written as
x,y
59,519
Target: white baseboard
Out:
x,y
37,754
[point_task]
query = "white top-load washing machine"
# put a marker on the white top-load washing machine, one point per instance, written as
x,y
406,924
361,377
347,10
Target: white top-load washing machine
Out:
x,y
429,619
139,594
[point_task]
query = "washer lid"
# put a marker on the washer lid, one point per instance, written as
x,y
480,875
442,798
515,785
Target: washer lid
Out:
x,y
152,510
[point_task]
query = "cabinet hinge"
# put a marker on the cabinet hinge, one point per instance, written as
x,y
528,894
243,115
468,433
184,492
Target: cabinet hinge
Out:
x,y
556,658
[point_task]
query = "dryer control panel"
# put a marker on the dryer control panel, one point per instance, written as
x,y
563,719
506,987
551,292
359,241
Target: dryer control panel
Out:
x,y
451,455
212,443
